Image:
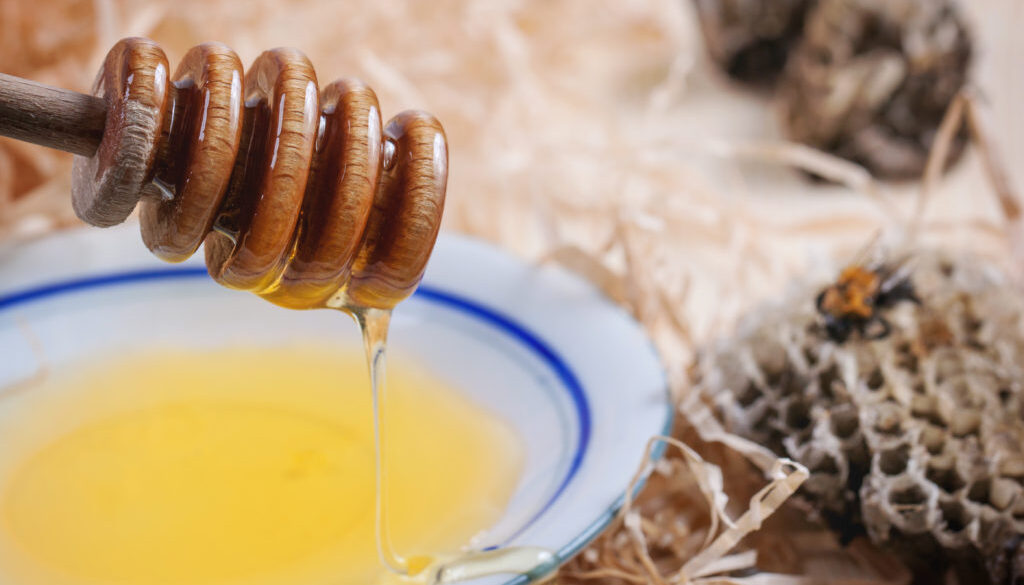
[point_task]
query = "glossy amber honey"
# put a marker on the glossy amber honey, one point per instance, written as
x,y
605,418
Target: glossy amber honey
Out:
x,y
245,466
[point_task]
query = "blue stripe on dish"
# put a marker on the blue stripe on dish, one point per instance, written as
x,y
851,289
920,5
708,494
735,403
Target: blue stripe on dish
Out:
x,y
78,284
565,374
498,320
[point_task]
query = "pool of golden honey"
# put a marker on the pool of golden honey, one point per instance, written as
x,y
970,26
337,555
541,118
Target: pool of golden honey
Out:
x,y
238,467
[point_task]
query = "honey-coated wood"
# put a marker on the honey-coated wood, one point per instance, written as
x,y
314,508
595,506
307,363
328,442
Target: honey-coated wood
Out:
x,y
302,196
133,83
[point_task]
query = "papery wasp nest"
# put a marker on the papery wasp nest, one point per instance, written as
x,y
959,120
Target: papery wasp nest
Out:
x,y
872,79
910,414
751,39
867,80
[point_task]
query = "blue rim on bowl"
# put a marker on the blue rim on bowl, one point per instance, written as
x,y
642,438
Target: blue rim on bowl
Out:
x,y
437,295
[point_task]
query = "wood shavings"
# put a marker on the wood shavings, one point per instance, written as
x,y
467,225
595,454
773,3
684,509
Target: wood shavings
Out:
x,y
594,138
711,562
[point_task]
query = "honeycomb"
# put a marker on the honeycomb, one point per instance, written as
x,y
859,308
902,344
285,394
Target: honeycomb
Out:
x,y
916,438
871,79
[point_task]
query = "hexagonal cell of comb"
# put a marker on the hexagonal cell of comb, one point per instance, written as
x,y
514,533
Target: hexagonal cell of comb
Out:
x,y
924,451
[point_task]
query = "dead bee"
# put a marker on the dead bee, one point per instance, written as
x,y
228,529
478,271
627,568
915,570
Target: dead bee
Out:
x,y
854,302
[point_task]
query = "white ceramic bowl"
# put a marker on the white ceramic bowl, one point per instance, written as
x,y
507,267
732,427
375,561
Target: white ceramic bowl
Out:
x,y
540,347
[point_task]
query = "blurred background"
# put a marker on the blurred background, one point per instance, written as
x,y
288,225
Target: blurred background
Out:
x,y
569,122
596,134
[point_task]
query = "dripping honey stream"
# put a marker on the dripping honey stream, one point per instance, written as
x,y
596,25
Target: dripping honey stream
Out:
x,y
303,197
449,567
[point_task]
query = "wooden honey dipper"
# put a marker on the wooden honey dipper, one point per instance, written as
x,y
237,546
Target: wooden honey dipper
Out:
x,y
301,195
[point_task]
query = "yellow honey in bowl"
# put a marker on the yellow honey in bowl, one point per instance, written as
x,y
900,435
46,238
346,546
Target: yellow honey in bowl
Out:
x,y
238,467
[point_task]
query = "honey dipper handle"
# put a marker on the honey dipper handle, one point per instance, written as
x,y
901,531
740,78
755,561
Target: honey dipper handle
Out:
x,y
50,116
